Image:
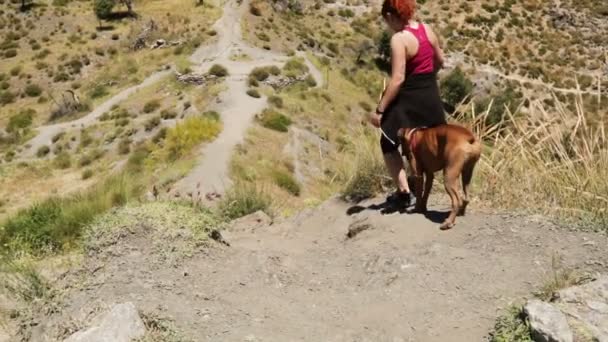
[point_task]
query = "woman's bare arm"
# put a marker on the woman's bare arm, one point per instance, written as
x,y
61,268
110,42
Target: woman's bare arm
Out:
x,y
398,61
434,39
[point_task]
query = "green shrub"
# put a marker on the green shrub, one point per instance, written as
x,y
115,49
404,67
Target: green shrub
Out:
x,y
364,175
58,223
33,90
276,101
254,93
10,53
151,106
287,182
188,133
19,121
124,146
511,327
275,121
244,199
152,123
85,160
295,67
167,114
98,91
260,74
62,160
218,71
43,151
57,137
456,87
6,97
16,70
212,115
63,77
86,174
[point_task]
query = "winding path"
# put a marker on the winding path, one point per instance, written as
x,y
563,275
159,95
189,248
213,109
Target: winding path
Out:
x,y
236,108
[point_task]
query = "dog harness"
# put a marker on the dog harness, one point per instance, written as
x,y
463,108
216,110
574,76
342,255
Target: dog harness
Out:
x,y
410,137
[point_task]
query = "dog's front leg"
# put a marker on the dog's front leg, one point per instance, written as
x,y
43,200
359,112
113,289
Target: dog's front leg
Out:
x,y
418,176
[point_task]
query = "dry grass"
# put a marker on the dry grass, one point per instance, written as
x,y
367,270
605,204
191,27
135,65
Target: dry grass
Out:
x,y
554,163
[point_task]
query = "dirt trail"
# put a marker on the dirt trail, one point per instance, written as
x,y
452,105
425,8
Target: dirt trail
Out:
x,y
46,133
402,279
236,108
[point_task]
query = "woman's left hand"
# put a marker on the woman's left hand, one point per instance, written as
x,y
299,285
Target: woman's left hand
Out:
x,y
375,119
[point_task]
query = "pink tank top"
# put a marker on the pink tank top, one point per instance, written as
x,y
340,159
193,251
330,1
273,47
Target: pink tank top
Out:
x,y
424,60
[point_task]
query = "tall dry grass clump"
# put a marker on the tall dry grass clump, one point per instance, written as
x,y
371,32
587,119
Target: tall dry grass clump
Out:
x,y
553,162
362,171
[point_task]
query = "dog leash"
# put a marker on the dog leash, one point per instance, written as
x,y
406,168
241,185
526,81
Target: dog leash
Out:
x,y
387,138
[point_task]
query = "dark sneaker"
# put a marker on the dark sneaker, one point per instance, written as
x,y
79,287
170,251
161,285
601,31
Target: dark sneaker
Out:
x,y
402,199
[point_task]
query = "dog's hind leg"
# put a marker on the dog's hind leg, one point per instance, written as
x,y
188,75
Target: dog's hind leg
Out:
x,y
451,174
467,175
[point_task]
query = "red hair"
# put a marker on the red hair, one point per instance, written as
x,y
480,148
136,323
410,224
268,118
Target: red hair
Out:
x,y
403,9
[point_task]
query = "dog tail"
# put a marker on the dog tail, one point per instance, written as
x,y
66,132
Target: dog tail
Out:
x,y
475,147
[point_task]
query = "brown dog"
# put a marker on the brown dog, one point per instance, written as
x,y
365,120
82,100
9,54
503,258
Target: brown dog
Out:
x,y
453,149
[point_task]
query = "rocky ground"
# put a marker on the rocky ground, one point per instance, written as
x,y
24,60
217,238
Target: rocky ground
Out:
x,y
335,273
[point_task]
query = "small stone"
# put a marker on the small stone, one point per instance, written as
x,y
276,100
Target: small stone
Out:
x,y
121,324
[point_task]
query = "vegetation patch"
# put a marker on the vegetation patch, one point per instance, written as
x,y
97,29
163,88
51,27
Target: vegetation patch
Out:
x,y
275,120
244,199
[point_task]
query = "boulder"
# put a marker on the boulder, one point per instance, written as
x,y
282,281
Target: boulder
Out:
x,y
587,307
121,324
547,322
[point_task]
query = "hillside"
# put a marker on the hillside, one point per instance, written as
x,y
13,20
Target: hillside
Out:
x,y
131,140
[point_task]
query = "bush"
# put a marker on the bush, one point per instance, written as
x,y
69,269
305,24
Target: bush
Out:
x,y
10,53
275,121
86,174
22,120
57,137
58,223
456,87
43,151
63,160
61,77
260,74
363,175
6,97
152,123
124,146
98,91
213,115
218,71
295,67
244,199
16,70
151,106
254,9
33,90
167,114
510,326
287,182
276,101
186,134
254,93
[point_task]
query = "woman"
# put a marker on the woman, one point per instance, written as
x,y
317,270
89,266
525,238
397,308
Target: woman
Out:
x,y
411,98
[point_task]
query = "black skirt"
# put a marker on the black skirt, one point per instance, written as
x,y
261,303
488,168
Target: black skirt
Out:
x,y
418,104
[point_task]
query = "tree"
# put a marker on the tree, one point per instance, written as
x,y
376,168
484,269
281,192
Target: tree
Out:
x,y
103,9
456,87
